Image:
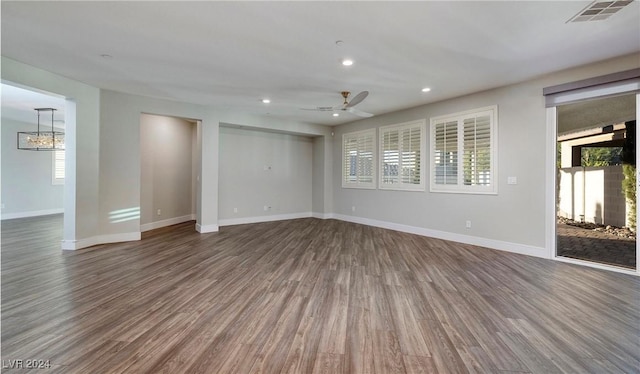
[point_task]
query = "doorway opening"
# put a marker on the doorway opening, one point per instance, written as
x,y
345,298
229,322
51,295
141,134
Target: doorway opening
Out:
x,y
34,182
596,181
169,167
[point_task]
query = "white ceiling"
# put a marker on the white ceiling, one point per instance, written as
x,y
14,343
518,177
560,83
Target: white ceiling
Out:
x,y
233,54
19,104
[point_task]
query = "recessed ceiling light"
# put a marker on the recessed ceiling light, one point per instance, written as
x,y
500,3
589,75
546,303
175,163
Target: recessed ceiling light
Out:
x,y
347,62
335,114
266,101
426,89
106,56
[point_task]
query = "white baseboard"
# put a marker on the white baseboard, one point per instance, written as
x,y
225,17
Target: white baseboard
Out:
x,y
322,215
203,229
459,238
167,222
100,239
279,217
33,213
596,265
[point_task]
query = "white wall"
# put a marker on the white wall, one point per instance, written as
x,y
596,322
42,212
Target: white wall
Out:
x,y
167,181
120,172
595,192
258,169
514,219
103,153
27,188
104,159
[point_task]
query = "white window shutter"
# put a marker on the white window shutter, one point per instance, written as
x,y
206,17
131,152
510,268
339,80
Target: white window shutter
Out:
x,y
390,157
358,159
365,160
402,151
57,167
464,153
477,151
445,154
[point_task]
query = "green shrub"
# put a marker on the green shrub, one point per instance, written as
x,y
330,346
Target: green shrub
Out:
x,y
629,188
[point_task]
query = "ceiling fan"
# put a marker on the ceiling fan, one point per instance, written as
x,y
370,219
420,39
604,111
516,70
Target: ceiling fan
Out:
x,y
347,106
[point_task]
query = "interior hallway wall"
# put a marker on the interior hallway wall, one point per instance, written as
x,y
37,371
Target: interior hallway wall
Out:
x,y
261,169
167,181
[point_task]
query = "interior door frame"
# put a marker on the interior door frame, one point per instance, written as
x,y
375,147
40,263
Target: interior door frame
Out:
x,y
623,83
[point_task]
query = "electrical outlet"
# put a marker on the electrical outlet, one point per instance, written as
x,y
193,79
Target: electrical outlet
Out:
x,y
159,212
353,208
267,207
468,224
235,210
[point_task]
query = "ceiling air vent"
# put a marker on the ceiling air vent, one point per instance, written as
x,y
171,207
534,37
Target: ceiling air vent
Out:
x,y
599,10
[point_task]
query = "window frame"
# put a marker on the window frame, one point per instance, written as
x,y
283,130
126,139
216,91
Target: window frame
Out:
x,y
54,161
355,135
400,186
459,118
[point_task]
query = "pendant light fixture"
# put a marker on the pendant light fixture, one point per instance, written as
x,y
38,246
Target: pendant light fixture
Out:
x,y
41,140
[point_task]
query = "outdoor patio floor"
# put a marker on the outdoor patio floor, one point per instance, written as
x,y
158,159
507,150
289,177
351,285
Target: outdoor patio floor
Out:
x,y
591,245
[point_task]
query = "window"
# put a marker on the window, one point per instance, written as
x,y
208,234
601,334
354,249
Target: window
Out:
x,y
463,151
402,156
358,159
57,167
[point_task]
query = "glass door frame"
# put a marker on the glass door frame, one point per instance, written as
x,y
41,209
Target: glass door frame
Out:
x,y
623,83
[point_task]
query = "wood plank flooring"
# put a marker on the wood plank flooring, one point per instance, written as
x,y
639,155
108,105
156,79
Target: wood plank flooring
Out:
x,y
306,296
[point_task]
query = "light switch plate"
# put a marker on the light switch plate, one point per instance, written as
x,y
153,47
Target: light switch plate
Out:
x,y
512,180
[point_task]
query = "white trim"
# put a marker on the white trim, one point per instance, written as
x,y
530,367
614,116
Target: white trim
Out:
x,y
466,239
596,265
33,213
279,217
637,184
100,239
322,215
166,222
550,182
204,229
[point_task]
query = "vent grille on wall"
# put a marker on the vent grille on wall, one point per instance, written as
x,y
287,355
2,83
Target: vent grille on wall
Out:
x,y
599,10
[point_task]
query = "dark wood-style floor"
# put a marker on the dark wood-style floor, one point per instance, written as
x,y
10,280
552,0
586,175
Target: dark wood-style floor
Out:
x,y
307,296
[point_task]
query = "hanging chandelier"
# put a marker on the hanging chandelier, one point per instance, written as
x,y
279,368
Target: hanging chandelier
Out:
x,y
41,140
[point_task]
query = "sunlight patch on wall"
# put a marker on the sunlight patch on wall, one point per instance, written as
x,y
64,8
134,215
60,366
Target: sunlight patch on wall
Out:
x,y
123,215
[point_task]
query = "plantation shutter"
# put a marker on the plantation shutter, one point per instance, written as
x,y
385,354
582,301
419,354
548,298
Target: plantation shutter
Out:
x,y
58,162
463,152
445,153
365,159
350,159
401,156
390,156
358,158
477,151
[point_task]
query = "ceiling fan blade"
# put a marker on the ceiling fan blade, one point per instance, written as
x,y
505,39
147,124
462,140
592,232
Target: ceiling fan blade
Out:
x,y
357,99
359,113
320,109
